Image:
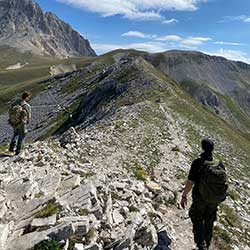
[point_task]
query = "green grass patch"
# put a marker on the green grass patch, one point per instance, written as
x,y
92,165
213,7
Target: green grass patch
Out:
x,y
231,216
140,174
88,174
222,238
83,212
50,209
38,195
48,245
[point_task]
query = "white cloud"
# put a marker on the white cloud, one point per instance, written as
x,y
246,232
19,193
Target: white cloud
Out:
x,y
243,18
235,55
229,43
135,9
170,21
194,42
153,47
138,34
170,38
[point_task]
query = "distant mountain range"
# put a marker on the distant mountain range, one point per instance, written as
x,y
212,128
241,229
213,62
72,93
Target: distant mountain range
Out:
x,y
24,25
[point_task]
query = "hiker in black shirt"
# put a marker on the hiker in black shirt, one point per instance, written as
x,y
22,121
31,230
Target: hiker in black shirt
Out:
x,y
202,214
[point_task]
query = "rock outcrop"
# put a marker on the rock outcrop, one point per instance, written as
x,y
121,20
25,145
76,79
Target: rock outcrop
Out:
x,y
25,26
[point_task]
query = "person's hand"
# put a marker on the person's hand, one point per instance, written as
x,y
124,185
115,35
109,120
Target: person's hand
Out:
x,y
183,202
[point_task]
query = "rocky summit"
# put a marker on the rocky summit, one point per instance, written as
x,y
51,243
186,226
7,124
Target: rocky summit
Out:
x,y
107,159
23,25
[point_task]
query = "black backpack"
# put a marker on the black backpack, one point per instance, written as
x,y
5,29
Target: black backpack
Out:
x,y
213,182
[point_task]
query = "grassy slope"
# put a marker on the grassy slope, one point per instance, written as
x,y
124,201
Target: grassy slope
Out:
x,y
198,122
13,82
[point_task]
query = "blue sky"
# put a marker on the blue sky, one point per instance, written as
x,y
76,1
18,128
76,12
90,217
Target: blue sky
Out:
x,y
218,27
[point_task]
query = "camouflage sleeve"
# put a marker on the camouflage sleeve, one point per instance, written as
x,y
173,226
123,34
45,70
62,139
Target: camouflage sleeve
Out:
x,y
28,110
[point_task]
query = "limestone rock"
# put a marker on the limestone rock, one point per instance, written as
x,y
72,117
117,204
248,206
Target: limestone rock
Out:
x,y
78,246
117,217
4,232
49,183
70,182
152,186
93,247
40,222
80,224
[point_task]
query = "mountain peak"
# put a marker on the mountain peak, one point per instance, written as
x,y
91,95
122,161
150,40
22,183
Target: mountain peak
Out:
x,y
24,25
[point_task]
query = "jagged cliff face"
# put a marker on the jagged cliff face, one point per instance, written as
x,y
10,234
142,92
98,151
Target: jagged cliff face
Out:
x,y
25,26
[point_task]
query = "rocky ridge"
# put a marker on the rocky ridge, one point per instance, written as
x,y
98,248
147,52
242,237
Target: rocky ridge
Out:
x,y
124,163
25,26
98,203
102,193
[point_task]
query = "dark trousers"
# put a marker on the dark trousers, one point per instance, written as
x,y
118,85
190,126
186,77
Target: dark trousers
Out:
x,y
18,139
203,217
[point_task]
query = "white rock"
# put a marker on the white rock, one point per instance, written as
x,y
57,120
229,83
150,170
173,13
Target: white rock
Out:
x,y
93,247
117,217
163,209
3,210
109,210
4,232
39,222
50,183
152,186
78,246
71,182
80,224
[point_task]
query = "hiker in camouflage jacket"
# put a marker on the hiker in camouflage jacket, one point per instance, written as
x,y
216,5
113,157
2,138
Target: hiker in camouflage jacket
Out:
x,y
20,131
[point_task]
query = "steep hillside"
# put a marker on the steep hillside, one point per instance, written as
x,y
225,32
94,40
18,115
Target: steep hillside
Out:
x,y
135,134
23,25
220,84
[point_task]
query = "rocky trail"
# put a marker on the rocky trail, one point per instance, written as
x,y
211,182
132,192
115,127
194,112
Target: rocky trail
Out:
x,y
79,196
112,178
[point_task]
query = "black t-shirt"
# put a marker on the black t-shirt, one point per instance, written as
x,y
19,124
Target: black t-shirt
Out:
x,y
194,174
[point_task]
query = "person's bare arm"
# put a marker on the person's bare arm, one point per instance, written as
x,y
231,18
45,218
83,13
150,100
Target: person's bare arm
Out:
x,y
187,189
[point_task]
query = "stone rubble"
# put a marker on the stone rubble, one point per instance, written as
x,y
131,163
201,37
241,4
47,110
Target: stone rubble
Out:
x,y
74,190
